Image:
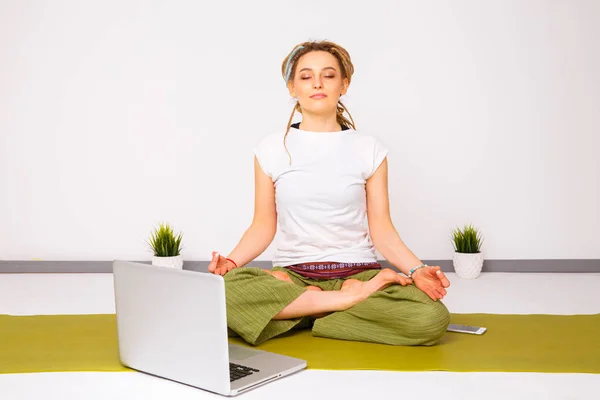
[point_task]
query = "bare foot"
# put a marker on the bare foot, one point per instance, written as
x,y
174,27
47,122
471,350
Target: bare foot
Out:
x,y
383,279
355,289
349,284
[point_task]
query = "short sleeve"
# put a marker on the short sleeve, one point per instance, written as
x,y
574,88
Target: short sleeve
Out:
x,y
378,152
264,152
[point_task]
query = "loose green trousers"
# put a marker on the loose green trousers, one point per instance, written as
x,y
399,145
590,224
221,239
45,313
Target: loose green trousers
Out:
x,y
397,315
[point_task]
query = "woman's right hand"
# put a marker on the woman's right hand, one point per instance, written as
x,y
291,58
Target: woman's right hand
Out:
x,y
219,265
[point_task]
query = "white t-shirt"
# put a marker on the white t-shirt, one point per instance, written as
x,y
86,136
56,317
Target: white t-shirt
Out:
x,y
321,197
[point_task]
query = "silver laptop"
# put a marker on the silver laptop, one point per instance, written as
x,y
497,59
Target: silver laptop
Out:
x,y
172,323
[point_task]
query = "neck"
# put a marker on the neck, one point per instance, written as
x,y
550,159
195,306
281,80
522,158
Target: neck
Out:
x,y
319,123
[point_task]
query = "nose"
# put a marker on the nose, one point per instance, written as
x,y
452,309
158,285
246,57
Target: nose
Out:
x,y
317,83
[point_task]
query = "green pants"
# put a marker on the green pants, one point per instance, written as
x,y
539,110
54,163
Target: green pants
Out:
x,y
397,315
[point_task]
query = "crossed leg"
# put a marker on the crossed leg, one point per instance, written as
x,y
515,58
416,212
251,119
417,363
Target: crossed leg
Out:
x,y
283,276
382,280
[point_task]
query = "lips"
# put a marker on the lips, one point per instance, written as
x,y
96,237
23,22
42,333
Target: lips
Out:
x,y
318,96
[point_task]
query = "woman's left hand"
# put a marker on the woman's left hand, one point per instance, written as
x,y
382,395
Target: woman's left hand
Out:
x,y
432,281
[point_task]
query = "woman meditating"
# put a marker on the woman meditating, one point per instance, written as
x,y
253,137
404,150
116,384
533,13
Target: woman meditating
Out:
x,y
325,184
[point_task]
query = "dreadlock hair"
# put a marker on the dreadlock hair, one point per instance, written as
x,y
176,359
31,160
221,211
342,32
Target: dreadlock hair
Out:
x,y
288,70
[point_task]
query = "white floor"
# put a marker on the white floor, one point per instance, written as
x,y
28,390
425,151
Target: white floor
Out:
x,y
30,294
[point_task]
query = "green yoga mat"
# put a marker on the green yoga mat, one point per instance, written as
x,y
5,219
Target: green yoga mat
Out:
x,y
513,343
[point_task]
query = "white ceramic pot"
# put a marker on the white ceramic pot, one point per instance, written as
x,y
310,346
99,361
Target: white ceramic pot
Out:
x,y
468,265
169,262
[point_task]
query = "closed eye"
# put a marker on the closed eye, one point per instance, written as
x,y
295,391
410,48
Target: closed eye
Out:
x,y
328,76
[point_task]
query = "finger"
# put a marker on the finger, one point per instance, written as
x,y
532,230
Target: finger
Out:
x,y
431,294
443,279
439,293
439,289
220,269
438,273
213,262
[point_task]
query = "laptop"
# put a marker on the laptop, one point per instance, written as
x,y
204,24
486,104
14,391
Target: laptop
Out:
x,y
172,323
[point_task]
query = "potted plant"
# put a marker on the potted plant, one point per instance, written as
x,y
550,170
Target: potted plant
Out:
x,y
468,258
166,247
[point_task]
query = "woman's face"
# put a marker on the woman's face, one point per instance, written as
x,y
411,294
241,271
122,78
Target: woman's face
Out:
x,y
318,83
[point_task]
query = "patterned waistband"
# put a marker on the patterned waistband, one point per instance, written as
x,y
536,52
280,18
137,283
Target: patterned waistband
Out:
x,y
331,270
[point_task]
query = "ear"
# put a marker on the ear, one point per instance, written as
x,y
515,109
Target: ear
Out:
x,y
290,86
344,87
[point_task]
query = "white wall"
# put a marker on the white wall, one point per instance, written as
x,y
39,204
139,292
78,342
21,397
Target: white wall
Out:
x,y
115,115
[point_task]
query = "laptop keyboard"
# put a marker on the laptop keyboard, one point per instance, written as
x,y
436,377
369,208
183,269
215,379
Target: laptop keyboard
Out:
x,y
237,371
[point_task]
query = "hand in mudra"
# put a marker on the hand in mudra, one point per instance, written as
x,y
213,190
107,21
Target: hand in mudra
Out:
x,y
432,281
219,265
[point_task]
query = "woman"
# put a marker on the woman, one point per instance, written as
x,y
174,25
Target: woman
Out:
x,y
326,185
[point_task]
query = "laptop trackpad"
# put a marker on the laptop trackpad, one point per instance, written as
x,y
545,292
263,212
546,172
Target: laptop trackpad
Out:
x,y
237,352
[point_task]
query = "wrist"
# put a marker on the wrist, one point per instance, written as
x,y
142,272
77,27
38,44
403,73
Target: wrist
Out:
x,y
414,270
231,261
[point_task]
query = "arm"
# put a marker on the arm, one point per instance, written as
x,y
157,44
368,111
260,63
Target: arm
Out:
x,y
383,234
430,280
261,232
